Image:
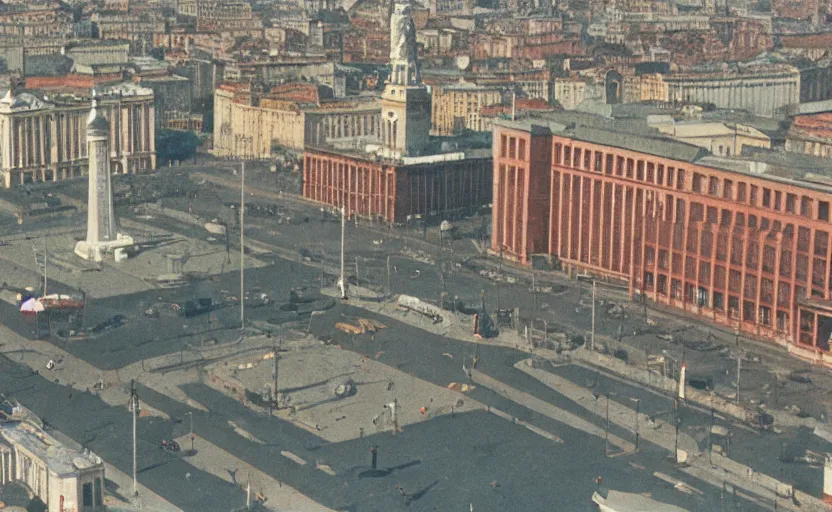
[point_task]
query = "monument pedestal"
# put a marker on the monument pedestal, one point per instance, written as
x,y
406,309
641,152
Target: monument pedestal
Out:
x,y
97,251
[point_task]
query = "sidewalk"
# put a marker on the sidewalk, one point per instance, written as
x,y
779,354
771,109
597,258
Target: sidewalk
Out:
x,y
663,435
221,464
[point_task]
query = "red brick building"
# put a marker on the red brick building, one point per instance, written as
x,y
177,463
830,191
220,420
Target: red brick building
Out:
x,y
438,186
736,242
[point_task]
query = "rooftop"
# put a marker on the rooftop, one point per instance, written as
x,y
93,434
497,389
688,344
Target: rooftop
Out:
x,y
56,456
775,165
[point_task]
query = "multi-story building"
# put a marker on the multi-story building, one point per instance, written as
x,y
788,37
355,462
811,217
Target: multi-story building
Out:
x,y
761,90
744,243
455,108
139,30
644,88
248,122
721,139
797,9
811,135
400,174
569,93
62,478
218,15
394,191
44,139
109,52
172,98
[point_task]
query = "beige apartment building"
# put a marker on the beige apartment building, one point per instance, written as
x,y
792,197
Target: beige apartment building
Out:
x,y
569,93
644,88
721,139
456,108
43,137
62,478
254,125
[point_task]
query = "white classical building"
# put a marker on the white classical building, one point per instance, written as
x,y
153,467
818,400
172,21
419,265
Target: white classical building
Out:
x,y
62,478
761,90
43,136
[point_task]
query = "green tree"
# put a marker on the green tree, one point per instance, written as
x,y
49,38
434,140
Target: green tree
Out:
x,y
174,145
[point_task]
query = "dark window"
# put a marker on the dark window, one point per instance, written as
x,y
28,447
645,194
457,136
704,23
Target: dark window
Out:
x,y
558,151
823,210
521,150
741,192
713,186
680,179
790,201
766,198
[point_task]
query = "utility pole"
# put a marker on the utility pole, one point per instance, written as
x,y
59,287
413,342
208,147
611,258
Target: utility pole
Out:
x,y
607,430
534,292
739,371
499,277
711,432
389,290
45,263
341,282
677,420
276,367
592,338
638,403
191,414
242,250
134,405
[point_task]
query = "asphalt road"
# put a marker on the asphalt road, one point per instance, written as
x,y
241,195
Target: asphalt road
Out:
x,y
446,463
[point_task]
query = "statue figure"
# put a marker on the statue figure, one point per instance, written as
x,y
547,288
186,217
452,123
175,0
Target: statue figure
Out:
x,y
402,36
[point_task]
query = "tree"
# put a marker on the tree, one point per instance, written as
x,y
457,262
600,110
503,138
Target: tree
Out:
x,y
174,145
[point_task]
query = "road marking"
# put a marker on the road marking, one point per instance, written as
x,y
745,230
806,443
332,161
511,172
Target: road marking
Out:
x,y
294,458
677,484
245,434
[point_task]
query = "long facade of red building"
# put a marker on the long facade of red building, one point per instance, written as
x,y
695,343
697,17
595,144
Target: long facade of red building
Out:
x,y
394,191
741,250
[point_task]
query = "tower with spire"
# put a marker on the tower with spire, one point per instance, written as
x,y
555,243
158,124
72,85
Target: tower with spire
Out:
x,y
102,236
405,102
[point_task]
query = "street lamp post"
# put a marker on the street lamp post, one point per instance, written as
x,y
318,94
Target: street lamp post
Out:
x,y
341,282
607,429
191,414
242,250
638,403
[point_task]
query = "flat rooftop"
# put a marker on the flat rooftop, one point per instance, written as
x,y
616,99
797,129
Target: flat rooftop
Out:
x,y
56,456
775,165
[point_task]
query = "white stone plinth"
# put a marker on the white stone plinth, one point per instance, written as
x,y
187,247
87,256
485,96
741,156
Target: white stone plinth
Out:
x,y
98,251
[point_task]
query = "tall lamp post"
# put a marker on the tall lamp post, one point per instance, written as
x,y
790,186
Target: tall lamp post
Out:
x,y
242,250
342,284
638,403
191,414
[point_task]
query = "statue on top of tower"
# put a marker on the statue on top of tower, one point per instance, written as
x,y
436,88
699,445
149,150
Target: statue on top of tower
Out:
x,y
403,40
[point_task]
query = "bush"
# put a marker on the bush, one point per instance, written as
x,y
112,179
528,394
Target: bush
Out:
x,y
174,145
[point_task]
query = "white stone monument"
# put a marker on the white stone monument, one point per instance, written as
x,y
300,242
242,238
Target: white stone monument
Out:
x,y
102,237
